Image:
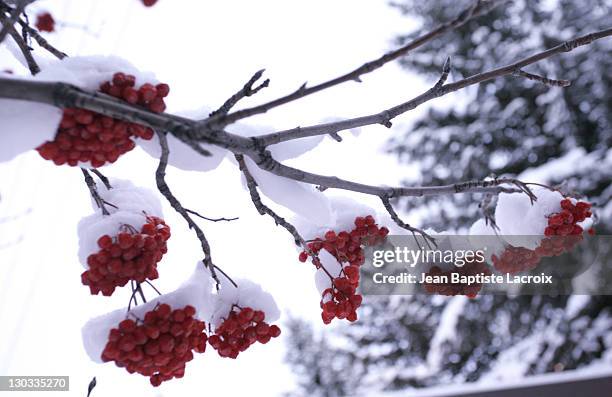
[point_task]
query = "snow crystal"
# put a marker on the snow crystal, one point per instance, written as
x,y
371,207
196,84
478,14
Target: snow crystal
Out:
x,y
196,291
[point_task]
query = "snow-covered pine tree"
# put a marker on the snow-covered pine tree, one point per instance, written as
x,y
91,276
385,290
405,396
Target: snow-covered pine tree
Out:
x,y
508,127
555,134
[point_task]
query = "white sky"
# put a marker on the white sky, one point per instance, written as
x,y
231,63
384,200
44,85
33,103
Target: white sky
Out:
x,y
205,50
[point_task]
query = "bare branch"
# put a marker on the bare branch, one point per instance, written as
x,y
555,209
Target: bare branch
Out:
x,y
542,79
23,47
478,8
436,91
162,186
245,91
102,178
262,208
7,23
93,190
210,219
426,237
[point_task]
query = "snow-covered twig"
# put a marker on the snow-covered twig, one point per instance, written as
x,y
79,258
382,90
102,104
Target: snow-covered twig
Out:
x,y
164,189
479,7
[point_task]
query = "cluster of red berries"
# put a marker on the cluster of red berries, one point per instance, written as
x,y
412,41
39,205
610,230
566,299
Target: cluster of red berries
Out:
x,y
516,260
240,330
85,136
564,223
158,346
451,289
149,3
341,300
131,255
45,22
562,235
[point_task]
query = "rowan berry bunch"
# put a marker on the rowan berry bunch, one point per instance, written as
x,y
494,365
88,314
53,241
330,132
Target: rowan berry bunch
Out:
x,y
159,346
242,328
564,223
451,289
516,260
341,300
45,22
130,255
562,235
85,136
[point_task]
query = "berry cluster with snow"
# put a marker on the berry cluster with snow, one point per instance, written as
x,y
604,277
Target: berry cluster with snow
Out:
x,y
156,339
159,345
551,226
242,328
86,137
131,254
339,296
124,244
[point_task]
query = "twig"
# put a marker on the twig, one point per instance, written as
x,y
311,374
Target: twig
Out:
x,y
162,186
280,221
93,190
478,8
542,79
7,23
152,286
25,50
27,29
245,91
261,207
426,237
91,386
102,178
210,219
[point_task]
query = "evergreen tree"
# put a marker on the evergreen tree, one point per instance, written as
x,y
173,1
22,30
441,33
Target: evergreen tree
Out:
x,y
506,127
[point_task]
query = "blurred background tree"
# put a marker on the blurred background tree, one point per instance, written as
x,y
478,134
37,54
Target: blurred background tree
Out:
x,y
547,134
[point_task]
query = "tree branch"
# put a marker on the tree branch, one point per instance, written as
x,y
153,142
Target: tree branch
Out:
x,y
478,8
436,91
7,23
245,91
262,208
164,189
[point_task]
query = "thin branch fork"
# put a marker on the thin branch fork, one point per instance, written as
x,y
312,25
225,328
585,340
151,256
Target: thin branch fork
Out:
x,y
478,8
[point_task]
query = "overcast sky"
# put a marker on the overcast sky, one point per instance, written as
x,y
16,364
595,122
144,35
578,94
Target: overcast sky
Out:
x,y
205,50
